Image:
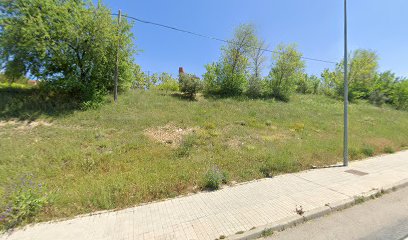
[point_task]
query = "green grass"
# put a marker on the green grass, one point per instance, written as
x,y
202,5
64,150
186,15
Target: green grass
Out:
x,y
101,159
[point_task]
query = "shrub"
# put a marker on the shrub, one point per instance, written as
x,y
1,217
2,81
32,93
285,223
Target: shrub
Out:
x,y
214,178
307,85
382,88
353,153
167,83
274,166
368,151
211,78
400,95
186,145
288,66
189,85
389,149
62,45
23,203
377,98
254,87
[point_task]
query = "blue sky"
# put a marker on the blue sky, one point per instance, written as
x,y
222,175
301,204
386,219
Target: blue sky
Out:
x,y
315,25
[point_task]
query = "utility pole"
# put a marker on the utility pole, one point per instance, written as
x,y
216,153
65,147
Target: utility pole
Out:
x,y
345,144
115,94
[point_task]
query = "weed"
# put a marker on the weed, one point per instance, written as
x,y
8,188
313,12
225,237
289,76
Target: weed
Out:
x,y
379,193
299,210
353,153
88,164
187,145
209,126
23,203
240,232
242,123
222,237
388,149
214,178
368,151
359,200
267,232
274,166
298,127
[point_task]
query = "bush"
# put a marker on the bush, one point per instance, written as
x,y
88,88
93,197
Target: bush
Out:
x,y
255,87
389,149
368,151
353,153
23,203
189,85
275,166
214,178
308,85
288,66
211,78
167,83
377,98
279,91
186,145
400,95
62,45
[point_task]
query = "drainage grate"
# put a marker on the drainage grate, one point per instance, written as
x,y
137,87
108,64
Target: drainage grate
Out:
x,y
356,172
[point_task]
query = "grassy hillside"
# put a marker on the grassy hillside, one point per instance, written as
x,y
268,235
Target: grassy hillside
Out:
x,y
151,146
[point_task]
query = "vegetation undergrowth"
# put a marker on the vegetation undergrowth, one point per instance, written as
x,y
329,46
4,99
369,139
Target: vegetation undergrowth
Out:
x,y
22,202
104,159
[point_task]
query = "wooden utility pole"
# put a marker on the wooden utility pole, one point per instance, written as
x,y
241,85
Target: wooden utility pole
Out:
x,y
115,94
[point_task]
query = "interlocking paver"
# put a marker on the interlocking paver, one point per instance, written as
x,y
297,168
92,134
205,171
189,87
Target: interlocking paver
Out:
x,y
208,215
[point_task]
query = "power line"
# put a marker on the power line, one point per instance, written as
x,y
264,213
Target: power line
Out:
x,y
212,38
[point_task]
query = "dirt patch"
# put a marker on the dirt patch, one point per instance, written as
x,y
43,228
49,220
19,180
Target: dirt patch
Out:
x,y
169,134
235,143
24,125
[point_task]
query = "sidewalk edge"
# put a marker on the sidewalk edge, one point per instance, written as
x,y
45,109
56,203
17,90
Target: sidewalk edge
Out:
x,y
315,213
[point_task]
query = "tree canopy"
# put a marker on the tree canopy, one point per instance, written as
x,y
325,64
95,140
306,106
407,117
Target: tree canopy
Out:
x,y
69,43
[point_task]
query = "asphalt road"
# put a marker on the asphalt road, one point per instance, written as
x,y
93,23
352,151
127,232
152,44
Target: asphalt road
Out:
x,y
383,218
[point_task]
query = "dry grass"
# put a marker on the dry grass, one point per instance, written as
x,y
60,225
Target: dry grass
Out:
x,y
169,134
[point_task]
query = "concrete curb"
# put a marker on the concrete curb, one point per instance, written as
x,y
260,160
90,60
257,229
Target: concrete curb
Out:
x,y
315,213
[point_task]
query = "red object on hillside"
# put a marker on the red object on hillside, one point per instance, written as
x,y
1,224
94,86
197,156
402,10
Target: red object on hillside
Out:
x,y
32,82
181,70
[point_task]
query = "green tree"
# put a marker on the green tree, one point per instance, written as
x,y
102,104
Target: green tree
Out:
x,y
362,71
382,89
287,67
257,64
140,78
189,85
235,61
399,96
306,84
211,78
67,43
332,83
168,83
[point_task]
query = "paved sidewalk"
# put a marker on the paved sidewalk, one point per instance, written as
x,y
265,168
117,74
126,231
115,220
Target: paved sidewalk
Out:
x,y
209,215
387,218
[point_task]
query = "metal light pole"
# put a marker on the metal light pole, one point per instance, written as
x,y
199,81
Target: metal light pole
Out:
x,y
345,144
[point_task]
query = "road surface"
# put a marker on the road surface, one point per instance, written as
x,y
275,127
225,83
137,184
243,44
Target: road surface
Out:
x,y
383,218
